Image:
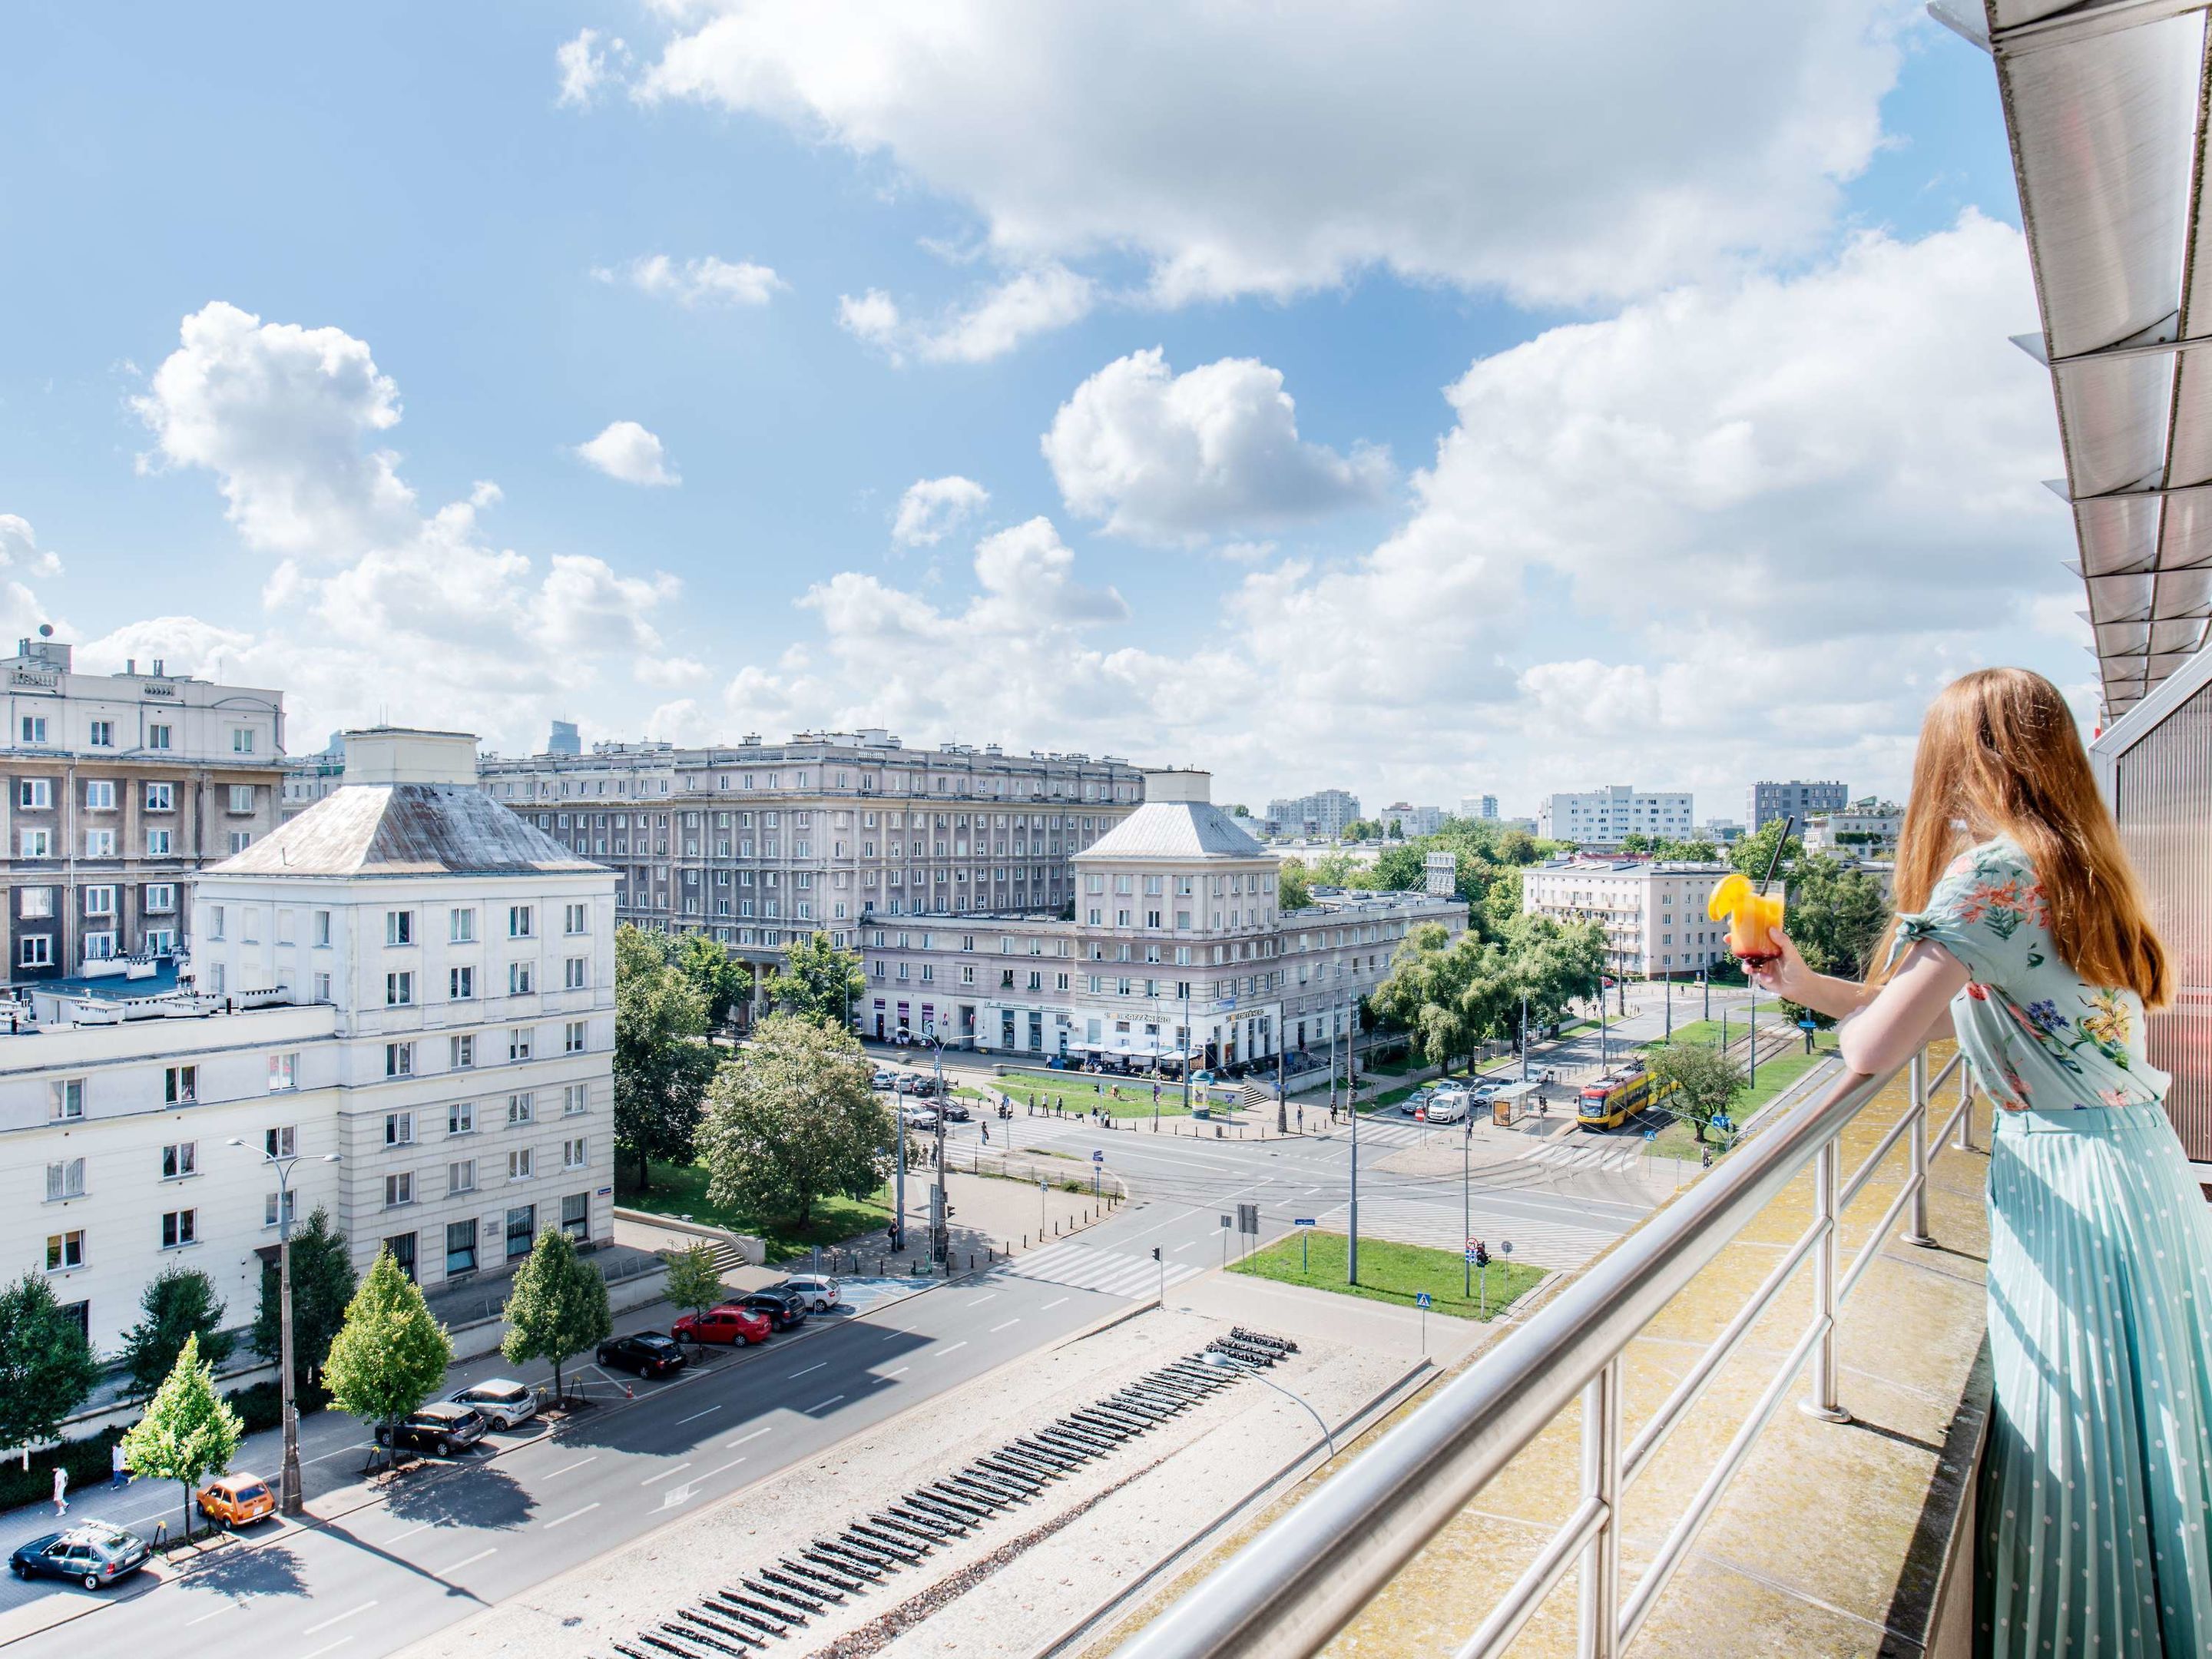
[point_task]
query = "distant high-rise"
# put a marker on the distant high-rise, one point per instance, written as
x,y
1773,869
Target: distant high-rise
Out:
x,y
1770,801
1326,813
1601,818
1477,807
564,740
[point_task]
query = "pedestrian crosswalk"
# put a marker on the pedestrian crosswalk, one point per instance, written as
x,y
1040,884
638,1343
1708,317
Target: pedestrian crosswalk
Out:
x,y
1077,1264
1591,1155
1546,1242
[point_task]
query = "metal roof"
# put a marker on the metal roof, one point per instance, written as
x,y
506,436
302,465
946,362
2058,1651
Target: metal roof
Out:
x,y
1175,829
407,829
2104,103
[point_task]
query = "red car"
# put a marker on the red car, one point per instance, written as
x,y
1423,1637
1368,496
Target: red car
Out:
x,y
728,1323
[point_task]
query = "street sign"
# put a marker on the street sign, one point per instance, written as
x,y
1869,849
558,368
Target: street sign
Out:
x,y
1098,1156
1506,1245
1248,1217
1422,1299
1470,1255
1227,1222
1472,1243
1305,1221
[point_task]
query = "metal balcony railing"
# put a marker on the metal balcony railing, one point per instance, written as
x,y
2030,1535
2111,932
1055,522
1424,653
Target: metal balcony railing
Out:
x,y
1296,1585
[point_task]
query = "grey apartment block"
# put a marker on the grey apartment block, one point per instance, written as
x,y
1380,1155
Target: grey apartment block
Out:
x,y
1797,799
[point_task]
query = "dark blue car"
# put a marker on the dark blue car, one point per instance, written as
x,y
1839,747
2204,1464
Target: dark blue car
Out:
x,y
92,1552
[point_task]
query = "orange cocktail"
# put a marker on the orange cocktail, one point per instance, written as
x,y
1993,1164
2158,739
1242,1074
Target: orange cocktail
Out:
x,y
1751,915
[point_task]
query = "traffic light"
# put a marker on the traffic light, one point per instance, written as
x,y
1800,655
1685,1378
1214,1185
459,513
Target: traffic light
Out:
x,y
1481,1253
1156,1252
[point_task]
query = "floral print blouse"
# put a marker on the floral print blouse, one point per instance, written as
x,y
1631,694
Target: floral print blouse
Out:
x,y
2039,1037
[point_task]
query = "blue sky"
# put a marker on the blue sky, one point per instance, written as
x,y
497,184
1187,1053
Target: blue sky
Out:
x,y
1739,467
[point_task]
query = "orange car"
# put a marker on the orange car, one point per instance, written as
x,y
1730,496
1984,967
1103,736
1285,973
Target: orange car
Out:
x,y
237,1500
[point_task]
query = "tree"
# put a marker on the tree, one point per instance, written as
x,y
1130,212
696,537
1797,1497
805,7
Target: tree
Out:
x,y
179,1305
792,1120
390,1355
46,1367
662,1061
558,1308
1240,811
1700,1082
188,1433
694,1283
1753,854
711,970
322,1284
819,983
1293,885
1501,903
1835,917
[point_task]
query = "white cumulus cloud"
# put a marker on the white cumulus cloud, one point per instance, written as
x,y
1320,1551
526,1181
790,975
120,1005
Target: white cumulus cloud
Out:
x,y
932,509
19,549
627,451
702,281
1165,457
585,64
990,324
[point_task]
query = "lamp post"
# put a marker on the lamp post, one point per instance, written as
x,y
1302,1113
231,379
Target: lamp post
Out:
x,y
1222,1361
288,1498
940,1229
1351,1105
1706,985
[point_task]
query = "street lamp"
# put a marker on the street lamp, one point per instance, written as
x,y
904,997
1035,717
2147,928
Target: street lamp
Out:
x,y
940,1233
289,1499
1229,1362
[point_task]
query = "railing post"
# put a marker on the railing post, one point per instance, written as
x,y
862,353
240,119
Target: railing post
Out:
x,y
1916,1147
1598,1629
1966,1141
1822,1401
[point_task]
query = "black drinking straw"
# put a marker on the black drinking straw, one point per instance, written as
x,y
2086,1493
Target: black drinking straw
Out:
x,y
1775,863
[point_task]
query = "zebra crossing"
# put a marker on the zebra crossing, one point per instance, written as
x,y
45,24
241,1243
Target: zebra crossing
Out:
x,y
1082,1267
1598,1155
1546,1244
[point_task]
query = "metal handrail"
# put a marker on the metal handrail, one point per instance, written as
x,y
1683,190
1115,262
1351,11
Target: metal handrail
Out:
x,y
1295,1586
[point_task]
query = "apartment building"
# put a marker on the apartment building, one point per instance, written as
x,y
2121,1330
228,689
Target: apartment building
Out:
x,y
1410,820
1654,913
406,977
1176,948
761,845
1325,814
308,778
1795,798
116,788
1867,828
1602,818
1477,807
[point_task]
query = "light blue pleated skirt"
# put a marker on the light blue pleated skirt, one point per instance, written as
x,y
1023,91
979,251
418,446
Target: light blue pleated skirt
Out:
x,y
2096,1488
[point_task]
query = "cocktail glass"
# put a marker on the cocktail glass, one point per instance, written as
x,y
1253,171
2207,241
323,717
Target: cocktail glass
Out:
x,y
1751,916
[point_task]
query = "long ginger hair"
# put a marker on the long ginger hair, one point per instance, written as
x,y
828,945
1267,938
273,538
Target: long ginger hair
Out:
x,y
2000,754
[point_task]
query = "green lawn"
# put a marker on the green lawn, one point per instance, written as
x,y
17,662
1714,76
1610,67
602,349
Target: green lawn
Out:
x,y
1076,1091
680,1190
1775,1076
1393,1273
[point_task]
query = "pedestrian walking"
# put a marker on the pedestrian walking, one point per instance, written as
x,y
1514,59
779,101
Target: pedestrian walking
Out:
x,y
61,1490
985,1129
119,1471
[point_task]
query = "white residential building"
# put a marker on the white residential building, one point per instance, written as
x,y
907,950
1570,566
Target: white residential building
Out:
x,y
1411,820
1602,818
1477,807
1654,913
1324,815
406,975
1868,828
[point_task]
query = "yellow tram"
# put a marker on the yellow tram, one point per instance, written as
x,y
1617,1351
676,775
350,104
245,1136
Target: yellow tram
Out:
x,y
1609,1101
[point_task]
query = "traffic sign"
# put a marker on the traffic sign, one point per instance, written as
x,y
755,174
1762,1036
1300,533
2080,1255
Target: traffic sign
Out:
x,y
1305,1221
1506,1245
1470,1255
1422,1298
1098,1156
1473,1244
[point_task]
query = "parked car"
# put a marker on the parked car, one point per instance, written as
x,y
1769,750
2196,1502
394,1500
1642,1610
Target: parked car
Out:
x,y
505,1402
647,1353
441,1427
1413,1103
1489,1091
818,1291
731,1323
918,1117
1447,1107
92,1552
236,1500
956,1111
781,1311
884,1080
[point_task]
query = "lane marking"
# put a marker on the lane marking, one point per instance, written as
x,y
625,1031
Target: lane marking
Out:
x,y
816,1366
695,1416
723,1469
228,1606
941,1353
571,1515
471,1562
340,1452
1008,1325
981,1299
888,1375
332,1647
337,1617
826,1404
410,1533
662,1475
568,1468
741,1439
1179,1249
1049,1306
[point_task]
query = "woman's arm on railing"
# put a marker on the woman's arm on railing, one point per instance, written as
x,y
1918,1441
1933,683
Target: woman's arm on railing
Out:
x,y
1913,1007
1789,976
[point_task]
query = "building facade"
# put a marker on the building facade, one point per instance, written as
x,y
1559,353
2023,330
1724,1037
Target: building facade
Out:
x,y
1176,949
1867,828
1654,913
1603,817
308,778
1477,807
1411,820
763,845
1323,814
406,978
1795,798
118,788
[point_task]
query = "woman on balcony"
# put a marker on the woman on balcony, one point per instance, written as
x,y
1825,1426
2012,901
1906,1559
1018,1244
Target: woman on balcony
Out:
x,y
2023,931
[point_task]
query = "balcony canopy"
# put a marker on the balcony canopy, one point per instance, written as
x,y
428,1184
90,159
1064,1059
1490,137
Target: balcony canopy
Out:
x,y
2104,105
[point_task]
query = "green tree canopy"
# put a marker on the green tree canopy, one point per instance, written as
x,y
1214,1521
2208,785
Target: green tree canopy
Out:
x,y
558,1308
322,1282
1700,1081
1835,917
46,1367
1294,885
694,1283
662,1061
178,1304
1751,854
819,983
390,1355
792,1120
188,1433
711,970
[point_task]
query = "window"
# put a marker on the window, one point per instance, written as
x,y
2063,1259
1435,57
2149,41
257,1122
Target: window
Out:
x,y
575,919
99,794
399,1189
242,797
462,924
399,927
35,901
34,728
99,901
520,922
519,1109
157,737
161,898
461,1175
460,984
241,740
572,1038
180,1228
36,794
179,1160
319,931
281,1142
240,840
64,1250
520,1042
161,797
573,973
320,988
521,1229
36,843
574,1098
517,1164
576,1215
461,1118
181,1085
461,1052
398,990
399,1059
460,1248
37,950
65,1179
572,1154
520,979
289,1200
